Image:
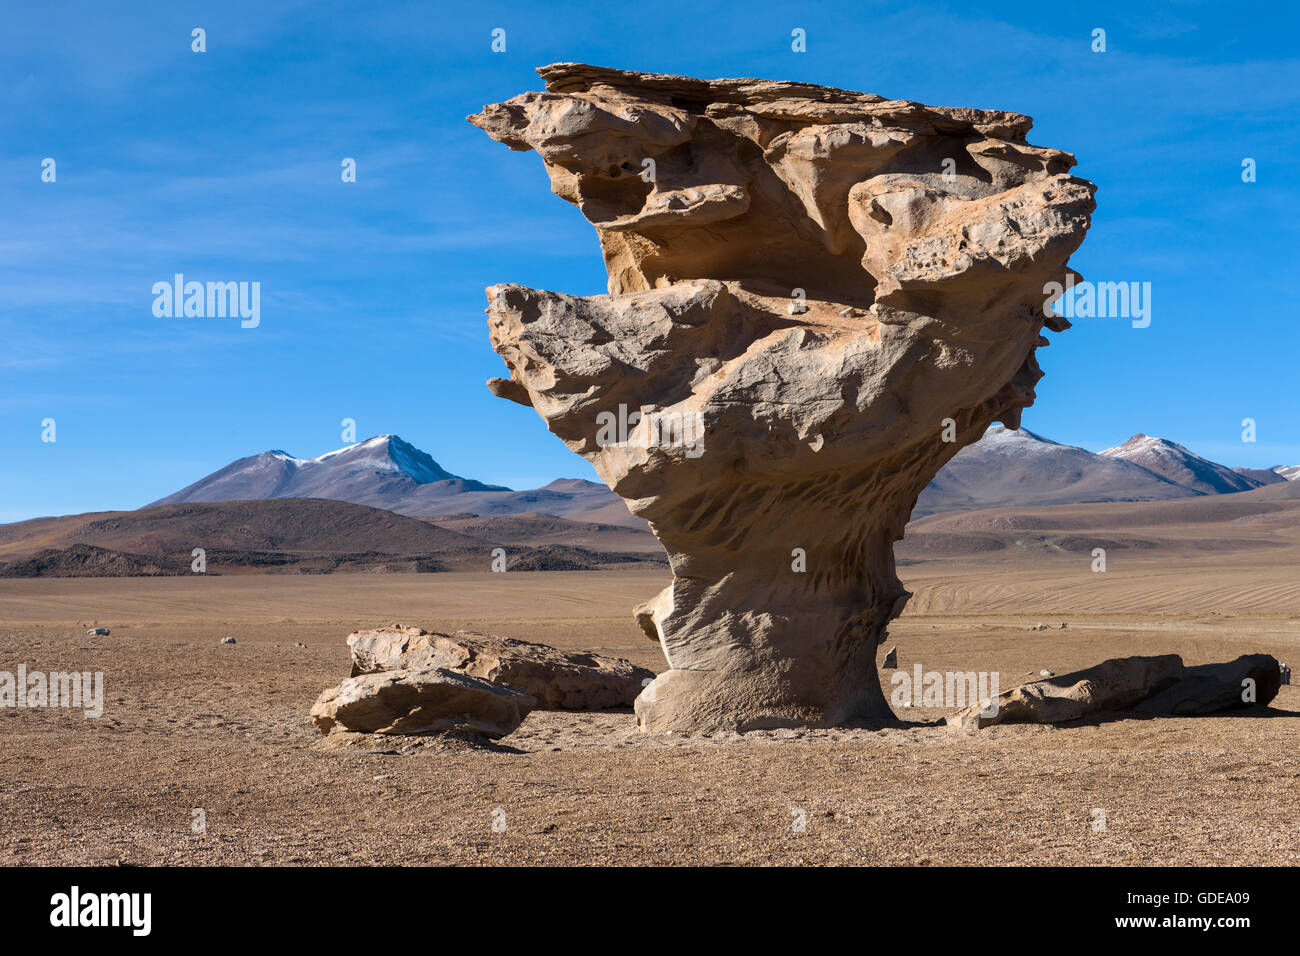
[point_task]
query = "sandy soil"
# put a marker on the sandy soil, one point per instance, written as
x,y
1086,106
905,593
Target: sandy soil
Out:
x,y
192,724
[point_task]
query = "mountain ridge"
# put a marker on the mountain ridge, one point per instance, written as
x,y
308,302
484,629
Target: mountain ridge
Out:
x,y
1181,465
390,473
1005,467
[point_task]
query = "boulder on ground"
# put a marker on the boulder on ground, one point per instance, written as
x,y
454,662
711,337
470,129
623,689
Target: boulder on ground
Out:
x,y
424,701
1110,685
1210,688
891,658
559,680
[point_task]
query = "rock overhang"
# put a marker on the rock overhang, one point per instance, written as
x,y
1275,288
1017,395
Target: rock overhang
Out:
x,y
822,280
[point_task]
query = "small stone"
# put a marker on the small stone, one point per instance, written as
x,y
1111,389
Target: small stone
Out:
x,y
98,632
1046,673
891,658
227,640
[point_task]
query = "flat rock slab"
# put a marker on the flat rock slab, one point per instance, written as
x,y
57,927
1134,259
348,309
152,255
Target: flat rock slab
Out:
x,y
1111,685
1209,688
558,680
421,701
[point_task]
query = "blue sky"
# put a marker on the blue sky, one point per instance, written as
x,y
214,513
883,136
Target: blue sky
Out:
x,y
225,166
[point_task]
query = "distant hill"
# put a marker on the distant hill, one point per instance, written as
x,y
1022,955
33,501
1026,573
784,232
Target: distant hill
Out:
x,y
88,561
1016,467
571,498
383,504
1173,461
377,472
303,525
389,473
1264,518
535,529
1284,491
306,535
1268,476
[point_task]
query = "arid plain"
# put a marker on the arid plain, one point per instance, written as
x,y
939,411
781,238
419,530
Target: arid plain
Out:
x,y
191,724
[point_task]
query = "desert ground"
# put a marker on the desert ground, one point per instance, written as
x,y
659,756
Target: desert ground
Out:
x,y
193,724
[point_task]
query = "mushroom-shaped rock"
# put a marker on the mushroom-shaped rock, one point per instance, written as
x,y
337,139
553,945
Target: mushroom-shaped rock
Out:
x,y
816,298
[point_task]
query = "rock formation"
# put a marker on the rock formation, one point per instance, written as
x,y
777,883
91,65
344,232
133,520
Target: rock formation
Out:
x,y
1110,685
558,680
816,298
1210,688
423,701
1148,686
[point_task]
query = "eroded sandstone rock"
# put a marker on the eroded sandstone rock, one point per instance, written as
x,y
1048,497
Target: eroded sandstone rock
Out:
x,y
559,680
1210,688
1111,685
1150,686
424,701
842,291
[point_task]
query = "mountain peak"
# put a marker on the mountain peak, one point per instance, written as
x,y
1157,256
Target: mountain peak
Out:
x,y
388,472
366,472
384,453
1178,464
999,434
1138,444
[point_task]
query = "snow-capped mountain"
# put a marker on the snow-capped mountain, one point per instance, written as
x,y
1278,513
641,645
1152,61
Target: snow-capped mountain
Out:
x,y
387,472
1005,467
1171,460
374,472
1014,466
1268,476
